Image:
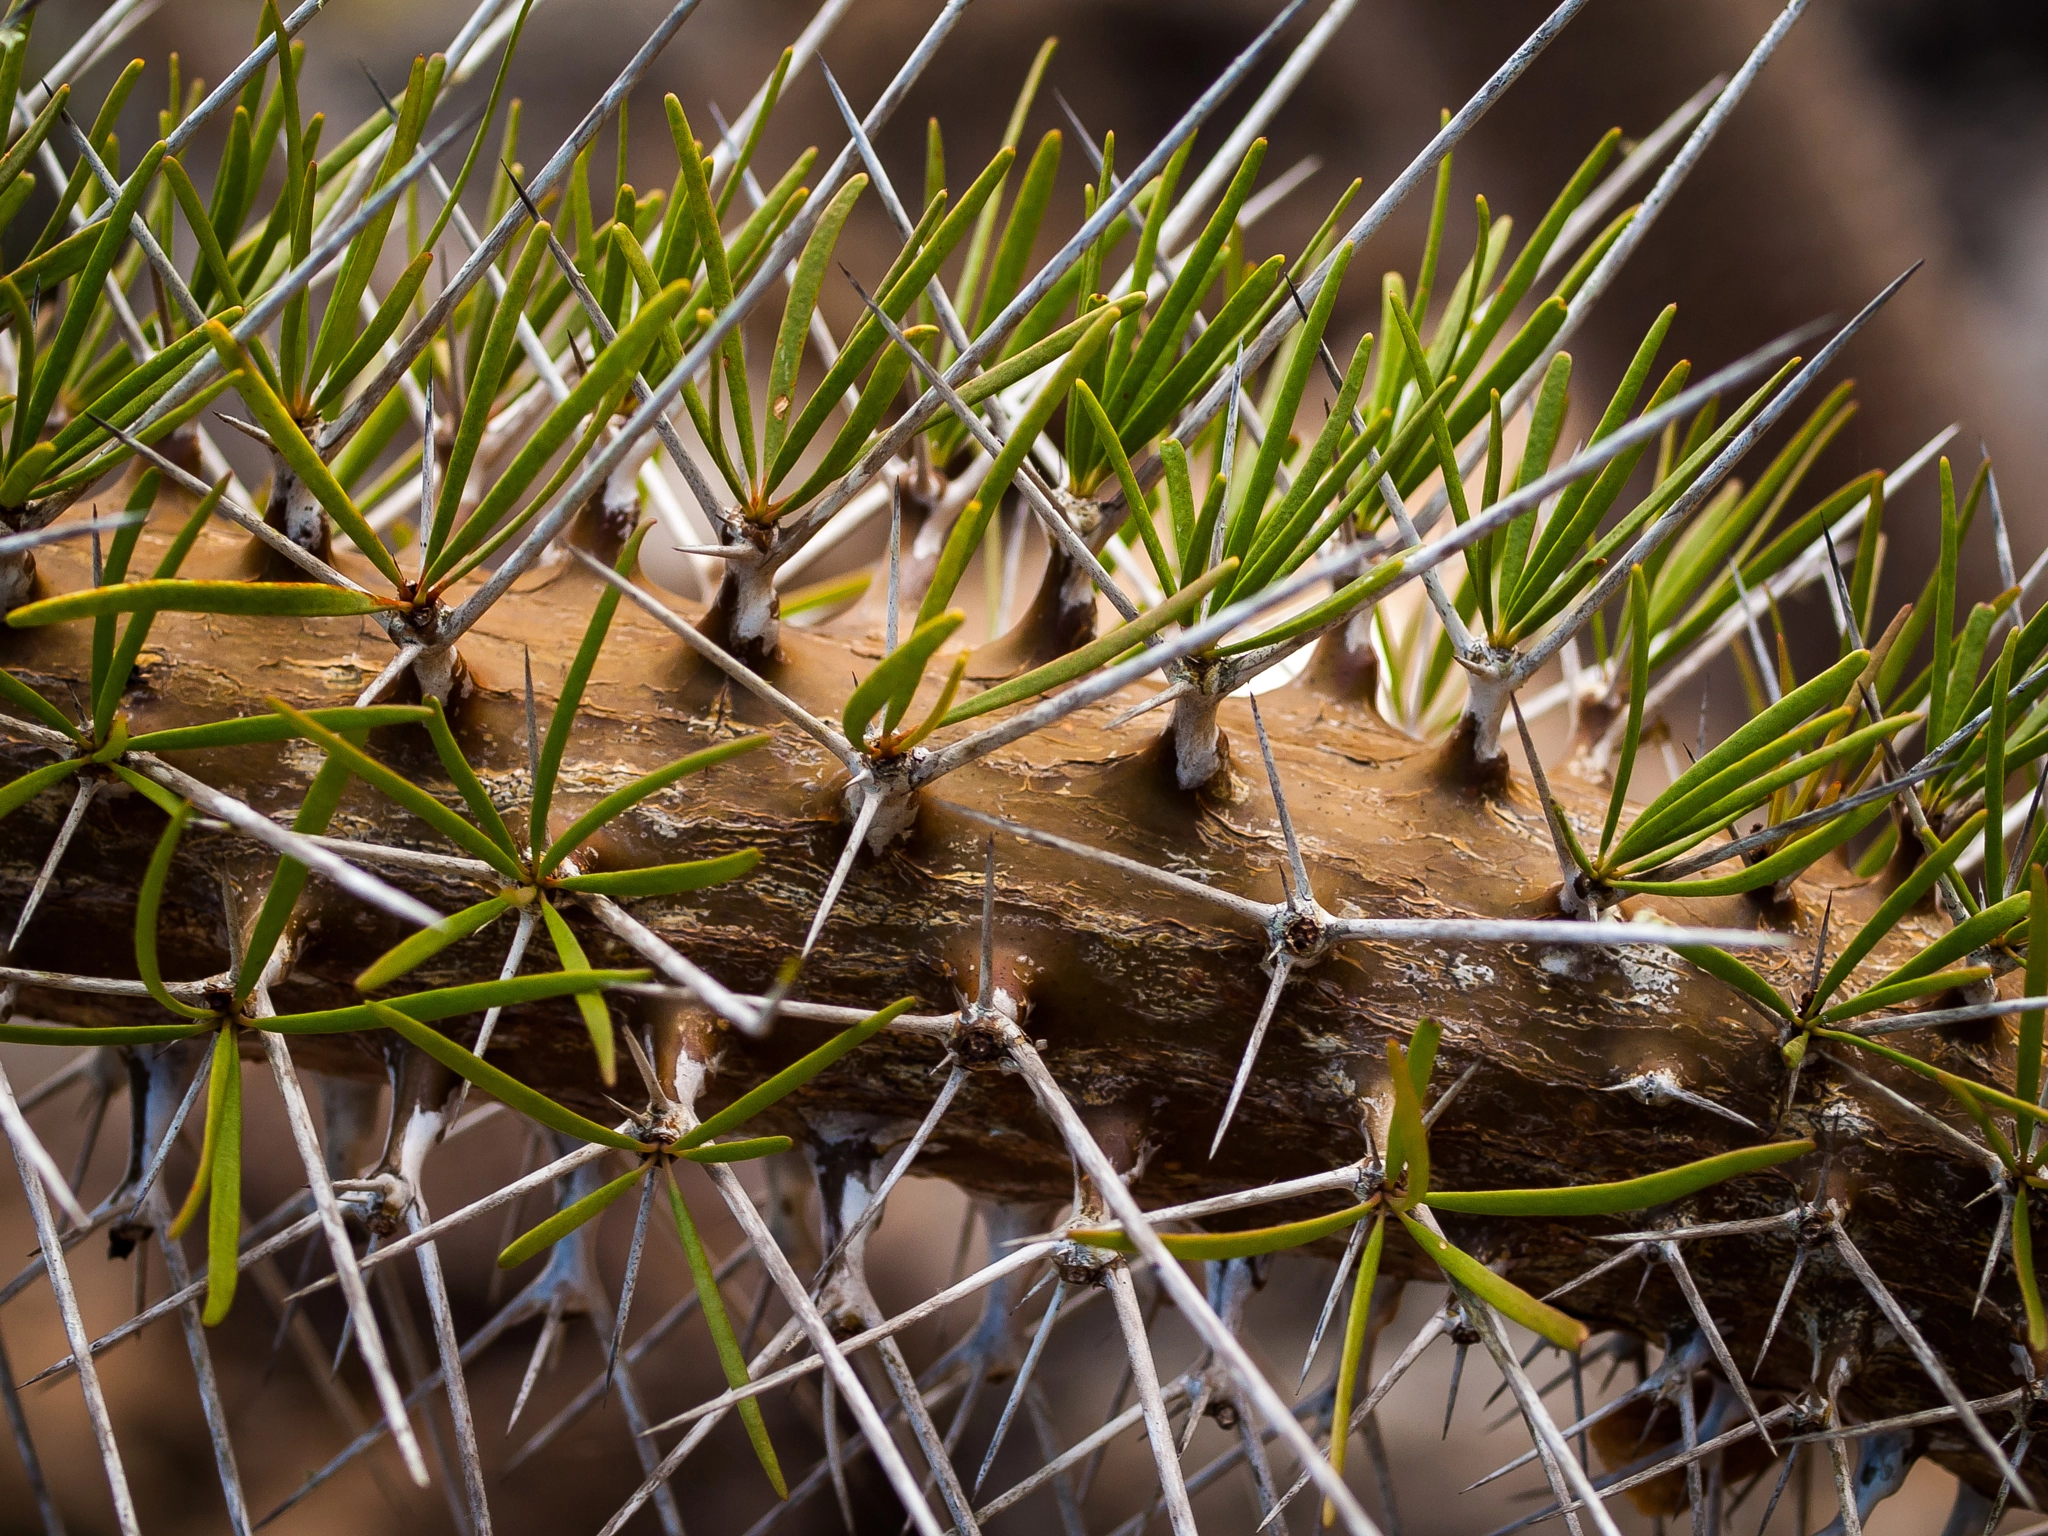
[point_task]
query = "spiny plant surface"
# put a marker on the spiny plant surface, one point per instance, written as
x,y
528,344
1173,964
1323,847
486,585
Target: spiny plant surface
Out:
x,y
1194,917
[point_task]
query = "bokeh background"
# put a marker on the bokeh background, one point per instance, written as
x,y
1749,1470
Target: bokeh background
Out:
x,y
1886,132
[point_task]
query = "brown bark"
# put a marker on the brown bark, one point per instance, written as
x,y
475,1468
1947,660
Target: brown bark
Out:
x,y
1143,998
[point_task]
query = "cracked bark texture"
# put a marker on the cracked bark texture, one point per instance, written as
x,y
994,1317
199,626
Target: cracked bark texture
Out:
x,y
1143,998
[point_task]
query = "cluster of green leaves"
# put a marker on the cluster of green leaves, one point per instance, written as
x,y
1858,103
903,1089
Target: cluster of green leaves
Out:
x,y
1404,1190
530,872
657,1160
74,368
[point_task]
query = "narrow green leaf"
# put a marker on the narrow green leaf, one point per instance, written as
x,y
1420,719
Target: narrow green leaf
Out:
x,y
2027,1068
1723,966
888,689
224,1201
409,954
547,765
1354,1339
731,1359
1938,723
2024,1272
610,372
401,791
793,1076
276,599
1407,1136
18,792
619,801
216,1094
1504,1296
1994,771
739,1151
569,1218
508,1090
805,282
25,699
665,879
148,900
256,730
1624,1195
112,1034
1243,1244
596,1017
1139,509
1638,686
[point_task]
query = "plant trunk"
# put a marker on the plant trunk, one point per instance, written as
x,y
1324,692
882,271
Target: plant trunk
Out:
x,y
1142,997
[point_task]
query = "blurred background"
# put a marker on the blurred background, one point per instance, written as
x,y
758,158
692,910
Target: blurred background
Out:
x,y
1886,132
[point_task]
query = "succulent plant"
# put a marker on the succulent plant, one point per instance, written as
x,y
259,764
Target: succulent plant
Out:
x,y
864,858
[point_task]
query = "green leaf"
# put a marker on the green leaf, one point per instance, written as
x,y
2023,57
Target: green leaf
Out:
x,y
739,1151
401,791
147,902
619,801
1723,966
547,765
1638,686
25,699
889,689
1938,722
1097,653
2027,1067
112,1034
665,879
596,1017
255,730
276,599
569,1218
1139,508
805,282
1243,1244
730,1358
1504,1296
793,1076
1407,1137
216,1093
18,792
224,1201
1994,771
2023,1271
1354,1339
1623,1195
292,448
508,1090
410,954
